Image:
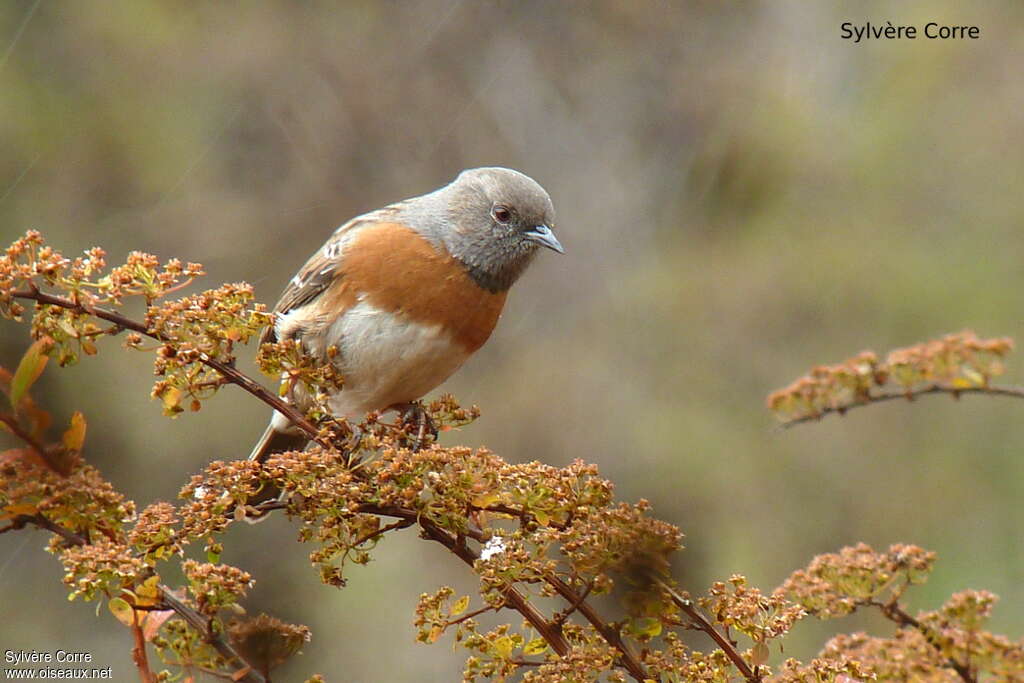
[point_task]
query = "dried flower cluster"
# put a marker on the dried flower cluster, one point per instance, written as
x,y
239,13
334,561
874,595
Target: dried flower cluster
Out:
x,y
947,644
836,584
954,364
534,535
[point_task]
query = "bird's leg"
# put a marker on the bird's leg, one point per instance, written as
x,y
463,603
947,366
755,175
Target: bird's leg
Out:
x,y
415,415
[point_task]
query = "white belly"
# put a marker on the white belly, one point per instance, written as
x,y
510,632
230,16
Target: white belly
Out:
x,y
387,359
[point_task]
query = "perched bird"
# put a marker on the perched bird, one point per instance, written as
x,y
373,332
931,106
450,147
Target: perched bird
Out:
x,y
405,294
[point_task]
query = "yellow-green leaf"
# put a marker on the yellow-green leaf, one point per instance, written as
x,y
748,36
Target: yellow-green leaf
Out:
x,y
535,646
74,437
460,606
647,626
149,592
171,398
974,376
29,369
504,646
120,608
485,500
542,517
12,511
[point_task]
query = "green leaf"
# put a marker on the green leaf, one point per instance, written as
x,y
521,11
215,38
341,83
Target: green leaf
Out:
x,y
120,608
535,646
29,369
647,626
74,437
460,606
504,646
171,398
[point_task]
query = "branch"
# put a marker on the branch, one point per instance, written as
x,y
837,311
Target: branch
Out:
x,y
548,630
227,371
910,395
44,523
894,613
191,616
608,632
687,606
200,624
139,652
31,442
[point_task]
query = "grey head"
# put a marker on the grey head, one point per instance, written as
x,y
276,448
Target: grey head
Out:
x,y
493,220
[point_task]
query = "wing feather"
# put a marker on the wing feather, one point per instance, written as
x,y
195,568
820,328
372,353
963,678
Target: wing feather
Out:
x,y
322,268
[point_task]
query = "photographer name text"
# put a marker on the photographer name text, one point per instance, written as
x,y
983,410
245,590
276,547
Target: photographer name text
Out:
x,y
889,31
24,660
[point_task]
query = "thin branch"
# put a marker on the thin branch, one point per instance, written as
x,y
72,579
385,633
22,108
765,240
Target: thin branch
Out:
x,y
549,631
31,442
400,524
470,615
229,372
200,624
561,616
702,624
910,395
146,674
44,523
608,632
188,614
526,662
895,613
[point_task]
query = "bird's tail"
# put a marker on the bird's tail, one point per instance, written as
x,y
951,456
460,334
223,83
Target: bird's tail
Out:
x,y
272,442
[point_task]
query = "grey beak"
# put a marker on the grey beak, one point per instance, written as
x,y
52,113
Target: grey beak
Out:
x,y
543,236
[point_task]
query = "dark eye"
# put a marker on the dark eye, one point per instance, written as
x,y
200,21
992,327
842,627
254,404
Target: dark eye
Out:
x,y
502,214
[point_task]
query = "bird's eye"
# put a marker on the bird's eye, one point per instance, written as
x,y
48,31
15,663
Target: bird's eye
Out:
x,y
502,214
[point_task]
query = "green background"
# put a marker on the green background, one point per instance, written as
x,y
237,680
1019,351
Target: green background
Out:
x,y
742,194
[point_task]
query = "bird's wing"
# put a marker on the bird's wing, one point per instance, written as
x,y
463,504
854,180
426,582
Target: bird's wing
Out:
x,y
322,268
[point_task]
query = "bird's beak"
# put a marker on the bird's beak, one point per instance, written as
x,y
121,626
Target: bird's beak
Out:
x,y
543,236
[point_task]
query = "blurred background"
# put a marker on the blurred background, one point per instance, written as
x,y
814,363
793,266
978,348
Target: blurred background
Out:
x,y
742,194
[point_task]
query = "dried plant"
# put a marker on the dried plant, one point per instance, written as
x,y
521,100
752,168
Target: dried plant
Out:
x,y
527,531
955,364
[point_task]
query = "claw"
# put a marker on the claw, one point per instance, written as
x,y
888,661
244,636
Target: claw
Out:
x,y
414,414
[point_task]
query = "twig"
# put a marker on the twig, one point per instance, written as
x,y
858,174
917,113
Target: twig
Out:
x,y
687,606
31,442
199,623
191,616
893,612
44,523
513,597
608,632
955,392
470,615
400,524
561,616
526,662
230,373
139,652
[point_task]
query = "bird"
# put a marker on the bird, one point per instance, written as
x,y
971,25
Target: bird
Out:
x,y
398,298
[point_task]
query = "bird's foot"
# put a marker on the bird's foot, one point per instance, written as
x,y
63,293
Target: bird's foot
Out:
x,y
416,419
